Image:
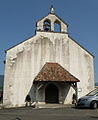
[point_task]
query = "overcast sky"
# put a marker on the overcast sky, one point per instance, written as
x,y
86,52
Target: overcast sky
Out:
x,y
18,22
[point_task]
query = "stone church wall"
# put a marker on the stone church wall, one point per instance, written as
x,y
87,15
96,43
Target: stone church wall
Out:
x,y
81,66
24,62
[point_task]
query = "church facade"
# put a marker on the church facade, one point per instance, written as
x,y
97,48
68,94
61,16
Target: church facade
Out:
x,y
49,67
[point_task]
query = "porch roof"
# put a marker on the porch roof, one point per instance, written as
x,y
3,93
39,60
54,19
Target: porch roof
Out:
x,y
55,72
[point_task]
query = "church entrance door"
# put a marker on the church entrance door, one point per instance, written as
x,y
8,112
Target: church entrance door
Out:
x,y
51,94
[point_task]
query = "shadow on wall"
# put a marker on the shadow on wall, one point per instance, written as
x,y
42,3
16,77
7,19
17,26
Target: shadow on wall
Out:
x,y
64,89
33,91
30,97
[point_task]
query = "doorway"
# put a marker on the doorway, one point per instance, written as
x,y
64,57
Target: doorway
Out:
x,y
51,94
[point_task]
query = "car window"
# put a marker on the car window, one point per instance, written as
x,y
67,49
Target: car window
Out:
x,y
93,92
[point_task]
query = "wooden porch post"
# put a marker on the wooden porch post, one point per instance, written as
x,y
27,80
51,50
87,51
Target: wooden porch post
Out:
x,y
37,95
76,92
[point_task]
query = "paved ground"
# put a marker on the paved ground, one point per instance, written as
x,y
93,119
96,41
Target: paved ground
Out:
x,y
67,113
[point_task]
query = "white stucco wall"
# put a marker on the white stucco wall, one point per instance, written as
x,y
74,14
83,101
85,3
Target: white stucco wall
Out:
x,y
24,62
81,66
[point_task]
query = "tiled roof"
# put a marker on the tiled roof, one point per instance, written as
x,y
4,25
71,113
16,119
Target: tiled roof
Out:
x,y
55,72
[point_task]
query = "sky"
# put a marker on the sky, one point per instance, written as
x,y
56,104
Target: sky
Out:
x,y
18,22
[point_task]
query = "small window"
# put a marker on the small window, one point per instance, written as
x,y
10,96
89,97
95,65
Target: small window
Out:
x,y
57,26
46,25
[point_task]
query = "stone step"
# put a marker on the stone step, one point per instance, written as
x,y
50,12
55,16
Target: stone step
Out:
x,y
55,105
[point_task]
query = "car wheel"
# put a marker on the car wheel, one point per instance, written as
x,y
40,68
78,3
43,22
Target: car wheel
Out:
x,y
93,105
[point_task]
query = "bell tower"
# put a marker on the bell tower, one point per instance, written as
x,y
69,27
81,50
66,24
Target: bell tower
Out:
x,y
47,23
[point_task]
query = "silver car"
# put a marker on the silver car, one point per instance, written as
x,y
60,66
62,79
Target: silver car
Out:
x,y
90,100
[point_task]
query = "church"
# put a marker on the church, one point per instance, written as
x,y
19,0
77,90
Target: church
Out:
x,y
49,67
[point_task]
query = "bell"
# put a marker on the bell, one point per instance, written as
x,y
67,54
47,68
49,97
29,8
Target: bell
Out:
x,y
46,27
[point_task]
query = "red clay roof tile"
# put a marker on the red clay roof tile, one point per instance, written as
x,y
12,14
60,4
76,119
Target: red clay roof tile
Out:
x,y
55,72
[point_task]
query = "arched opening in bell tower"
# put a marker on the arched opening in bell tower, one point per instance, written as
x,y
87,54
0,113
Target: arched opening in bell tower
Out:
x,y
57,26
47,25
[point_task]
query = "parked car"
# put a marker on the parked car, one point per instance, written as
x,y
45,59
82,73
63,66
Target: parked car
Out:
x,y
89,100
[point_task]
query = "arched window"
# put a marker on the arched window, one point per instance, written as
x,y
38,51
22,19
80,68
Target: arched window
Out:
x,y
47,25
57,26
